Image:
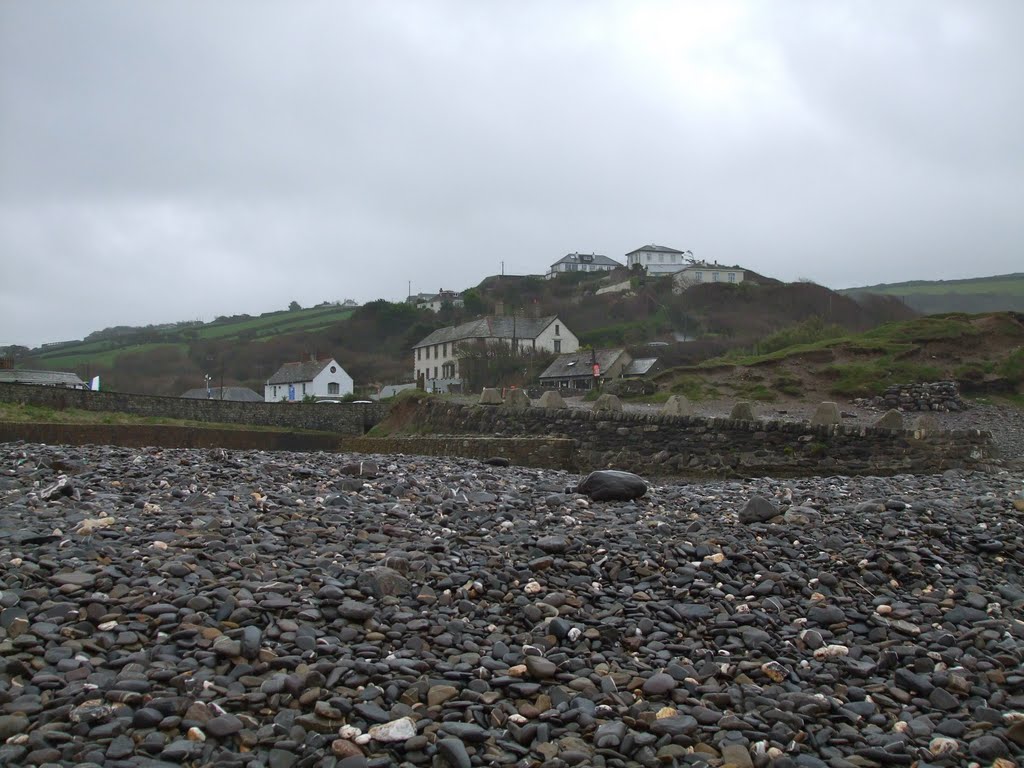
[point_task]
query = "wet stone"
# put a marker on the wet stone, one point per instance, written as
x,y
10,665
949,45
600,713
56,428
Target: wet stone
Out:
x,y
247,609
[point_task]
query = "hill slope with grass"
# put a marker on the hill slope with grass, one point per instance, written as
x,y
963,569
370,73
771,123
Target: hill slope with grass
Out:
x,y
374,342
984,353
999,293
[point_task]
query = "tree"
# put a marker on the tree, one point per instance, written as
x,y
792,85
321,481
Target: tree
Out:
x,y
294,306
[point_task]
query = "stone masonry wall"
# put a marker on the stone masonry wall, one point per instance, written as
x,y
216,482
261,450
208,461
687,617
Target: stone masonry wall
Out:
x,y
656,444
343,418
147,435
936,396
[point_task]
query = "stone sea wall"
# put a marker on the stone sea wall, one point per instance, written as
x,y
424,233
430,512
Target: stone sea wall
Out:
x,y
342,418
146,435
546,453
656,444
936,396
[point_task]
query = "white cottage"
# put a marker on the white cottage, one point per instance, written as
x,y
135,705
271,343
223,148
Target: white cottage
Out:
x,y
316,378
436,360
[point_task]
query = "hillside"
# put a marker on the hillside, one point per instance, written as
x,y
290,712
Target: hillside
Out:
x,y
984,353
372,342
999,293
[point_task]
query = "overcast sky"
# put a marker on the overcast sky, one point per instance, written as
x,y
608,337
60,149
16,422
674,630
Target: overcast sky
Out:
x,y
165,161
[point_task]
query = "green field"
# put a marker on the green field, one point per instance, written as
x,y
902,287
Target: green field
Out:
x,y
1012,285
103,352
73,357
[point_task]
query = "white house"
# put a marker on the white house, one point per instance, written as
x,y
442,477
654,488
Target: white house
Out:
x,y
702,272
658,260
435,358
316,378
582,262
435,301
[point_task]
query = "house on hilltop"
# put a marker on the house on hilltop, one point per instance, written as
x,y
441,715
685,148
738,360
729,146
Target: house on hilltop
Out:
x,y
658,260
582,262
315,378
434,301
436,357
701,272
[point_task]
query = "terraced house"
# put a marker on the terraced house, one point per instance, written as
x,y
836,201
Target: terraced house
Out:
x,y
436,358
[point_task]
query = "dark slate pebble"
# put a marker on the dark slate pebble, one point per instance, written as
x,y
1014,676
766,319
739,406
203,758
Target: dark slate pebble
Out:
x,y
757,510
611,485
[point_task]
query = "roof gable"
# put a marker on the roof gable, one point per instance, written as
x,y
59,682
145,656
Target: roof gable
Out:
x,y
587,258
290,373
581,363
655,249
504,327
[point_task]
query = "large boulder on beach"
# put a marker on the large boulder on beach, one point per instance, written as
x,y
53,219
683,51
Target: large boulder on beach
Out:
x,y
677,405
551,399
490,396
518,399
826,414
742,411
892,419
758,509
608,402
611,485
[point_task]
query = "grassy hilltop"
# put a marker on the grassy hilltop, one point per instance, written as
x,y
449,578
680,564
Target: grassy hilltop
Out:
x,y
726,328
999,293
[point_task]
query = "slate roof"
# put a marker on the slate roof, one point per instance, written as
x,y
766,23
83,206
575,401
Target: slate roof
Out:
x,y
490,328
587,258
44,378
390,390
574,364
236,394
640,367
290,373
704,266
655,249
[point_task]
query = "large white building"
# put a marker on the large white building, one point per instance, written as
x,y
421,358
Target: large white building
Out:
x,y
658,260
315,378
436,361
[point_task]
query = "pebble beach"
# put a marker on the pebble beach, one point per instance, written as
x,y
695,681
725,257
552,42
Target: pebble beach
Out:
x,y
219,608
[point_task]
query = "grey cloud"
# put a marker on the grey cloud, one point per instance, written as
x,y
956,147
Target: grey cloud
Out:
x,y
164,161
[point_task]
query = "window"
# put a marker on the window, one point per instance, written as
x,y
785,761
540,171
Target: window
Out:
x,y
558,345
419,351
556,329
444,350
333,388
732,277
714,277
334,369
303,387
435,371
435,352
650,257
699,276
275,390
